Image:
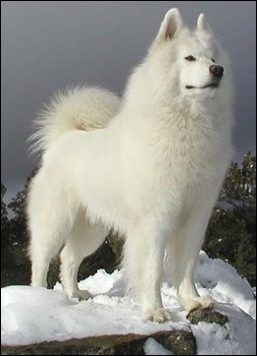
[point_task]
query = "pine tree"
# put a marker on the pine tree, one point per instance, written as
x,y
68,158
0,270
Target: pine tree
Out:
x,y
18,223
4,215
231,234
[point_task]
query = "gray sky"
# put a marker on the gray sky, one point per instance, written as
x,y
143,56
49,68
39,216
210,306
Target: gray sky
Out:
x,y
49,45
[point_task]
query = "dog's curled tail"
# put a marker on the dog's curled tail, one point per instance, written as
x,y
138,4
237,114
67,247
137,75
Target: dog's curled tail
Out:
x,y
79,108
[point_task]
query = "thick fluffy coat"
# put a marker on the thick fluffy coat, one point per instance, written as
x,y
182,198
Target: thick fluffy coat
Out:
x,y
153,172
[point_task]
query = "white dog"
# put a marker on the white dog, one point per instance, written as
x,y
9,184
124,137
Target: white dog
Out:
x,y
151,166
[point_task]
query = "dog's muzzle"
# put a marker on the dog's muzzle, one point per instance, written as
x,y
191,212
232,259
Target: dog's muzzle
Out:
x,y
216,71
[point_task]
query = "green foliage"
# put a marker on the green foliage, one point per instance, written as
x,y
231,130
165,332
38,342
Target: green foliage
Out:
x,y
15,266
239,187
18,223
231,234
4,213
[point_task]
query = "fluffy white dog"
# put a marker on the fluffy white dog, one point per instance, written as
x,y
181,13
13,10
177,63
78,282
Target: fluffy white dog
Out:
x,y
151,166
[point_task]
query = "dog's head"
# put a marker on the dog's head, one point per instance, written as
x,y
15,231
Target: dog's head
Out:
x,y
192,60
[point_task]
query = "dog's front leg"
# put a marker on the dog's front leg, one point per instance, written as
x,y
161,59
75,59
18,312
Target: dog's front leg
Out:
x,y
143,262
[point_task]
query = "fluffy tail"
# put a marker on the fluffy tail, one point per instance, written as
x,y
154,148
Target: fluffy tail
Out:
x,y
81,108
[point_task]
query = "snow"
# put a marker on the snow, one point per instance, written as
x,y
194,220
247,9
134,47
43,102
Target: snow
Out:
x,y
152,347
32,315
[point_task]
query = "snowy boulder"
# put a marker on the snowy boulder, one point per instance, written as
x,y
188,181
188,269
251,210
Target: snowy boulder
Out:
x,y
33,315
178,342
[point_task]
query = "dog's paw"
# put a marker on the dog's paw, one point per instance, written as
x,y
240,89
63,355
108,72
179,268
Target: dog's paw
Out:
x,y
81,295
159,315
205,302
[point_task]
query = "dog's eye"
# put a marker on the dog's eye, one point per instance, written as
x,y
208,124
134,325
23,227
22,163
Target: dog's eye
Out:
x,y
213,60
190,58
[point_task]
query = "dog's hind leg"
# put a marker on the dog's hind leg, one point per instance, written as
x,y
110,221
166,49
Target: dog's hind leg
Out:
x,y
84,240
49,223
45,243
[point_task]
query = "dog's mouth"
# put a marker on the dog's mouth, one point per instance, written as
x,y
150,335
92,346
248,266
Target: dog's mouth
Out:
x,y
210,85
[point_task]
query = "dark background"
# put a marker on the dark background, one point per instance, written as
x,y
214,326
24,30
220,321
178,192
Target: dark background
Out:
x,y
49,45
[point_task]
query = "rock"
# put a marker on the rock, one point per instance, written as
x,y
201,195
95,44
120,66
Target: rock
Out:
x,y
207,316
180,342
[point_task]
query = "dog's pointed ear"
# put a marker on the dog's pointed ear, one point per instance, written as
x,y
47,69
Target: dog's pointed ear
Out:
x,y
202,24
170,25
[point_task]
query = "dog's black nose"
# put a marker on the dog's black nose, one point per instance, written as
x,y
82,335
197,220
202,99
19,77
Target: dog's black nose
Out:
x,y
217,71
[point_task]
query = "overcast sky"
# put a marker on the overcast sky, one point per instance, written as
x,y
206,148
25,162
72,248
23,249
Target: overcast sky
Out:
x,y
49,45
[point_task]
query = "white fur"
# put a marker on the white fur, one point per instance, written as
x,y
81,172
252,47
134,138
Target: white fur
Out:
x,y
153,173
